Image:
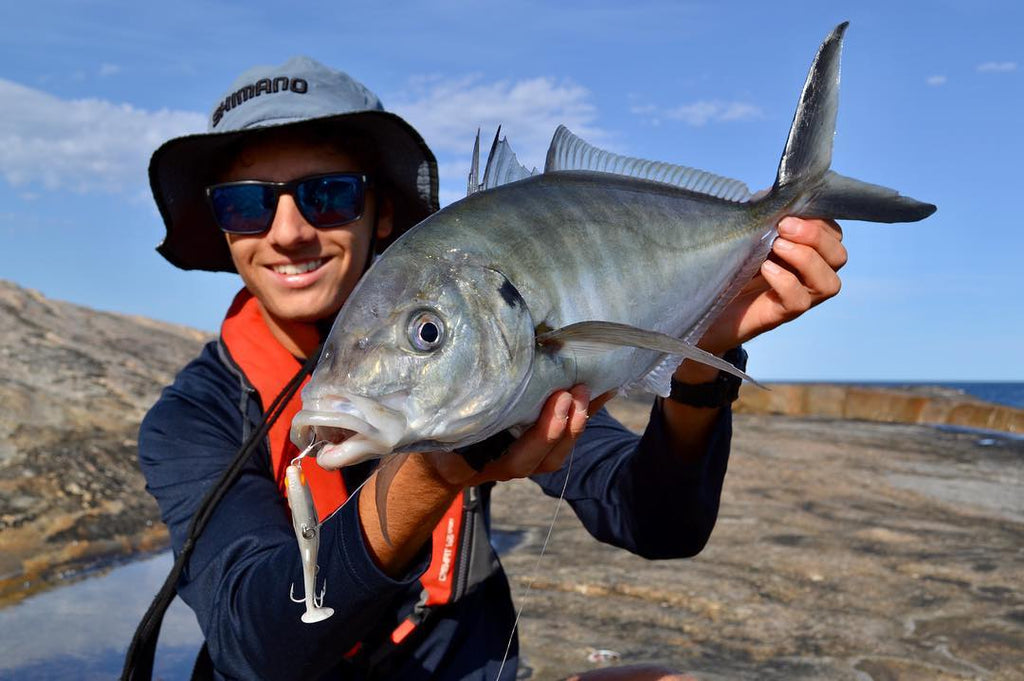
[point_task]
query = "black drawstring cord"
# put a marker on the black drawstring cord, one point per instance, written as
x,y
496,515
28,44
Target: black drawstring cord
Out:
x,y
138,663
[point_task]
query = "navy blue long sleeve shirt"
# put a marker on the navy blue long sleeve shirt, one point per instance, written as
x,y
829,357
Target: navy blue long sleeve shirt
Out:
x,y
629,491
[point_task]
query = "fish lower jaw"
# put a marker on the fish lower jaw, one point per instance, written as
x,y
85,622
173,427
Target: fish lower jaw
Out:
x,y
355,449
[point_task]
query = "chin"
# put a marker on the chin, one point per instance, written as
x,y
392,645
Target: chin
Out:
x,y
309,311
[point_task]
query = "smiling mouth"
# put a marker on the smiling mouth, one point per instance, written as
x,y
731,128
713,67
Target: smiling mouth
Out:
x,y
292,269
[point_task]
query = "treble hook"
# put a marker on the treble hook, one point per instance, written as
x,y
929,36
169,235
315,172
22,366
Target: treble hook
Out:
x,y
318,601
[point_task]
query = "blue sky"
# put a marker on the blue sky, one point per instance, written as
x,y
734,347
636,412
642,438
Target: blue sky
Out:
x,y
931,104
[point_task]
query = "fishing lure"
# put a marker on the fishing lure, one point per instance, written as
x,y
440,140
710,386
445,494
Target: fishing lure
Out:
x,y
307,533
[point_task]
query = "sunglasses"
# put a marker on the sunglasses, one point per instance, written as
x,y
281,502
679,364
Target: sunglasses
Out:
x,y
328,200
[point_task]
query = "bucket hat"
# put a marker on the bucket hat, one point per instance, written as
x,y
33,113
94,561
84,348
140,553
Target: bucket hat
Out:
x,y
301,92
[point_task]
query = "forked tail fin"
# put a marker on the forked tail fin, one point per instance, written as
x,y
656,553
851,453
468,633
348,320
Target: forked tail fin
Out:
x,y
808,155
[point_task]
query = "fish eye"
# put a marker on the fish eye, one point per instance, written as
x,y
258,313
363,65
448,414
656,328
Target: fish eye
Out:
x,y
426,330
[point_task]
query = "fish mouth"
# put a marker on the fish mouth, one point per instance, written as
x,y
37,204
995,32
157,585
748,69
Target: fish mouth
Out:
x,y
351,429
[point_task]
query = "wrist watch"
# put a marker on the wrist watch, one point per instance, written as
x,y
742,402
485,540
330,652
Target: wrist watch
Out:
x,y
715,394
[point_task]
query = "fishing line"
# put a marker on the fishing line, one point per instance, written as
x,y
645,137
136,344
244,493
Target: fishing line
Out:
x,y
536,565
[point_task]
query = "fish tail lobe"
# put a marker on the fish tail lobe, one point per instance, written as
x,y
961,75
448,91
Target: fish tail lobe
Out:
x,y
808,151
804,167
843,198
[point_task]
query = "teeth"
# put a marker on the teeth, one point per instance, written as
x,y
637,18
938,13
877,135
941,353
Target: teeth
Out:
x,y
298,269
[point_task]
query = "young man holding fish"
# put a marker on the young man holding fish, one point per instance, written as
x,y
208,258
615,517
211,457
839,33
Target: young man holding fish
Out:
x,y
300,179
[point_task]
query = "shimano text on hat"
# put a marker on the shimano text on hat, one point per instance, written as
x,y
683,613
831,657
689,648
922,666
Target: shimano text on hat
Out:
x,y
264,86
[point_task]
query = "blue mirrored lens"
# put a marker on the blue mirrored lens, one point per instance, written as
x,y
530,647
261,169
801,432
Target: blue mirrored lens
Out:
x,y
331,200
243,208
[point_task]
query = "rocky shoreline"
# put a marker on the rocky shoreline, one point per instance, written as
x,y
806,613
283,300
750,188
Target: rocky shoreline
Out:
x,y
847,548
844,550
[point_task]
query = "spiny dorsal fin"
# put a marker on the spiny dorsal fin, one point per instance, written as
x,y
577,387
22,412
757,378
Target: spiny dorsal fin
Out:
x,y
473,182
502,165
569,152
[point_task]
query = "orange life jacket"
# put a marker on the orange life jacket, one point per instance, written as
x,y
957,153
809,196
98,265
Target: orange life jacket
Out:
x,y
268,367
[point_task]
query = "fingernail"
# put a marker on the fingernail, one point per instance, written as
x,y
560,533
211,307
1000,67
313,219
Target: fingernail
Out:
x,y
562,407
771,267
789,226
782,245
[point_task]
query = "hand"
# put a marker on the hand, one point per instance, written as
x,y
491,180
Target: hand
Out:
x,y
542,448
800,272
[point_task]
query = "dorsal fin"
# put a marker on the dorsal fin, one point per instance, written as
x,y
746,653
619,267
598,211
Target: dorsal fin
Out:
x,y
569,152
502,165
473,182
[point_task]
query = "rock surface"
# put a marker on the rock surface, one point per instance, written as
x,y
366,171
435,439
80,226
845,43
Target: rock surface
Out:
x,y
844,549
74,385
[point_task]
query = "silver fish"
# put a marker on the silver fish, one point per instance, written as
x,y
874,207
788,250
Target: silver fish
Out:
x,y
603,270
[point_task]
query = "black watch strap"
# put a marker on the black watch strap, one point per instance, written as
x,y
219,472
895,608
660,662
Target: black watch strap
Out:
x,y
715,394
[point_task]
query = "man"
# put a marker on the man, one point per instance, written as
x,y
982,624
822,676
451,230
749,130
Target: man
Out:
x,y
301,178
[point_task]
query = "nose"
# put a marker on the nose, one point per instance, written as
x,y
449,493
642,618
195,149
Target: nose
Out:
x,y
289,228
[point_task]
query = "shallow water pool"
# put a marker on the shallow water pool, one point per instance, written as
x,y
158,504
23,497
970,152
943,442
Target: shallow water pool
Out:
x,y
82,630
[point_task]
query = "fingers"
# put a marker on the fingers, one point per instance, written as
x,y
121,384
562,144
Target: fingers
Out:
x,y
802,268
789,296
823,236
544,447
565,429
811,270
813,250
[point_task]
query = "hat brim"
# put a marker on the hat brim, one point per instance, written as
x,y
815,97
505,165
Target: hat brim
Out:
x,y
182,168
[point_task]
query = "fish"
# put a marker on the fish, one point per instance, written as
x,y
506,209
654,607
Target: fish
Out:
x,y
307,533
603,269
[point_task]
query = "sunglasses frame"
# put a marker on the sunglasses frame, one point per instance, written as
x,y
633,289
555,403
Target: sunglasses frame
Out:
x,y
290,188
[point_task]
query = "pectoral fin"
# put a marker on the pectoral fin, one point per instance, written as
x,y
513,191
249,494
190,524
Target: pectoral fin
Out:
x,y
595,337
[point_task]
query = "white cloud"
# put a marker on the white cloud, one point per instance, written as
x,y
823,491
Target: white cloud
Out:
x,y
84,145
997,67
448,111
109,69
701,112
935,81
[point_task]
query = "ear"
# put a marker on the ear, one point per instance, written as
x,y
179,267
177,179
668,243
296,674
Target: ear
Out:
x,y
385,217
